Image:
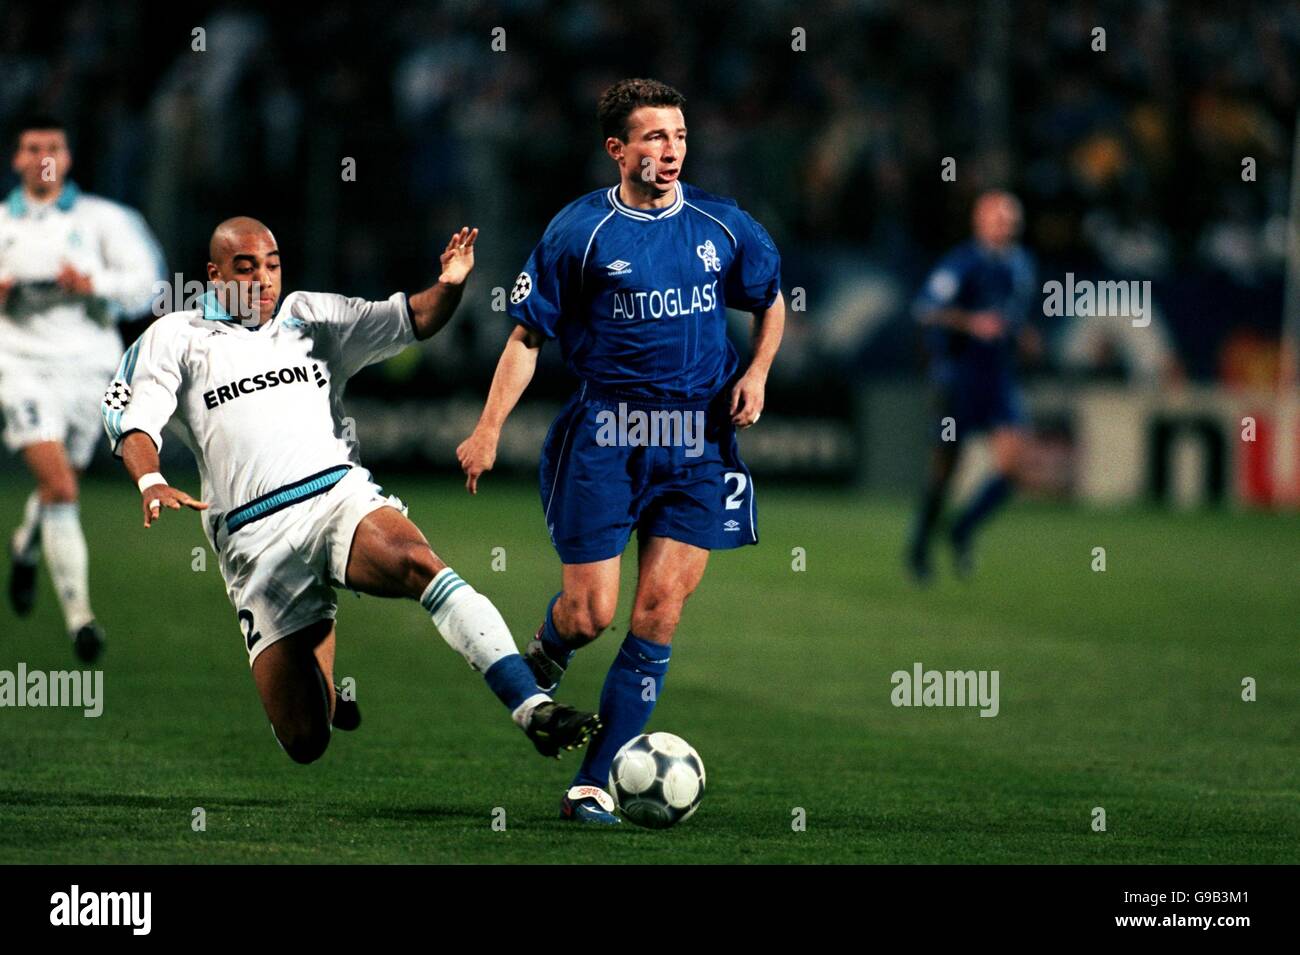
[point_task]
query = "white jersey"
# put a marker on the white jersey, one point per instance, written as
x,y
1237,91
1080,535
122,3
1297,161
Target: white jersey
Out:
x,y
261,408
42,324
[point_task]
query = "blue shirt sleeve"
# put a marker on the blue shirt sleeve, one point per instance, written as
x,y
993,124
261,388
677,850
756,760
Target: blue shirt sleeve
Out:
x,y
754,278
545,288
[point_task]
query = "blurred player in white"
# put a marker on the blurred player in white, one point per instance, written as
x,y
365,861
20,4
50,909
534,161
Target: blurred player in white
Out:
x,y
71,265
290,512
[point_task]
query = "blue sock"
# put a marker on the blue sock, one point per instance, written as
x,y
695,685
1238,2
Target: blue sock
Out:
x,y
624,708
511,679
926,517
555,646
989,498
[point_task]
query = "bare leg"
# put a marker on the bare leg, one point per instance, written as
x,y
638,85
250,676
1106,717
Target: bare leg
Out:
x,y
668,571
391,558
295,679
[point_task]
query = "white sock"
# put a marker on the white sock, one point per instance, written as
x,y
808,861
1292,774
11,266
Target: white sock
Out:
x,y
467,620
26,542
473,627
524,711
65,555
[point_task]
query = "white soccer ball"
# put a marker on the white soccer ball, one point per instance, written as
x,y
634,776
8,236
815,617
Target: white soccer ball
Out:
x,y
657,780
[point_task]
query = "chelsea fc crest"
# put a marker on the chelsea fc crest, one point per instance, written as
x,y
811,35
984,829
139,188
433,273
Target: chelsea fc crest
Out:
x,y
708,253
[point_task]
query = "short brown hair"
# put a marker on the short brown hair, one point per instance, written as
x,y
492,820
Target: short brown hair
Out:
x,y
36,121
619,101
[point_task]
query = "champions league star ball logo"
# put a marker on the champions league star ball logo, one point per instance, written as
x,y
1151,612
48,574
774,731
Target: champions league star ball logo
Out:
x,y
523,285
709,255
118,396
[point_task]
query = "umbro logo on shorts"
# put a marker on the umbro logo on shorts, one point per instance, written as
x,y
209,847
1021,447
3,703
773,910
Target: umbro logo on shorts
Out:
x,y
731,526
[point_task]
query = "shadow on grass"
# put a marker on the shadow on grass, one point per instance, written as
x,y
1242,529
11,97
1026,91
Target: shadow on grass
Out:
x,y
26,797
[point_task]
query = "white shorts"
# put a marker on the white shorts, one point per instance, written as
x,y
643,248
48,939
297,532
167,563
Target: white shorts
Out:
x,y
281,570
47,402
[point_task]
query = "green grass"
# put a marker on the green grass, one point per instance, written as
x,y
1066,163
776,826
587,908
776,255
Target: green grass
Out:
x,y
1119,689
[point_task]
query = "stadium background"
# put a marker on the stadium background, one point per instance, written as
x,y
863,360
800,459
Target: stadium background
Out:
x,y
1129,163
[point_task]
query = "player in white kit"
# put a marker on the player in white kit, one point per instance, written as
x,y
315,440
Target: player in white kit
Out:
x,y
288,509
71,265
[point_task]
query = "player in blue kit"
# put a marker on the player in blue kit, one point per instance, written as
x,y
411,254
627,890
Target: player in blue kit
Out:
x,y
633,281
973,308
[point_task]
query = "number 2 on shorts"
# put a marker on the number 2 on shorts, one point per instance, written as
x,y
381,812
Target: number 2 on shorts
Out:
x,y
733,501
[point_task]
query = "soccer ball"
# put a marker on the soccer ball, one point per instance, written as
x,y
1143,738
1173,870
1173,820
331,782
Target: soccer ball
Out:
x,y
657,780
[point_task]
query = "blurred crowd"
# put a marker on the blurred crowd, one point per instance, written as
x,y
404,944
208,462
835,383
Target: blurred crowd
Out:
x,y
1129,158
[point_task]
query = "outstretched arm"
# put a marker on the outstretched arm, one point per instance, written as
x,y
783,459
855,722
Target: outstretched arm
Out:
x,y
987,325
749,393
141,459
433,308
515,370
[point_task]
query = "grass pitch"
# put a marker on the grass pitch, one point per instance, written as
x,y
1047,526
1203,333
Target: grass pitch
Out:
x,y
1120,690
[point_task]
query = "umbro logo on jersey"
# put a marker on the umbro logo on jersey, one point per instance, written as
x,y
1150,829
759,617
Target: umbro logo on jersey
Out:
x,y
708,253
619,267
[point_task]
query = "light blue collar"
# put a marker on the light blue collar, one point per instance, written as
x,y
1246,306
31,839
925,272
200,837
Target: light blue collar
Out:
x,y
211,308
214,312
68,197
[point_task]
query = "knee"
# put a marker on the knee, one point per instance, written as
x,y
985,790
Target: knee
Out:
x,y
590,617
418,566
304,744
1009,463
59,490
661,605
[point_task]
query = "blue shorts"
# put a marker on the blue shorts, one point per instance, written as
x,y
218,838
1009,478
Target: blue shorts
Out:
x,y
611,465
980,403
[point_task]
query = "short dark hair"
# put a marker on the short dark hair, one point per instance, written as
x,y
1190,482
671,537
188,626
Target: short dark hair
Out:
x,y
619,101
32,121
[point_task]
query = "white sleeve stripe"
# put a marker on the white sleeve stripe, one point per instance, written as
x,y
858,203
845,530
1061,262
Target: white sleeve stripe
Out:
x,y
730,235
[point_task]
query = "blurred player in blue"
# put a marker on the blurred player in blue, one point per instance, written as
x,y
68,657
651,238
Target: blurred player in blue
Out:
x,y
633,281
972,310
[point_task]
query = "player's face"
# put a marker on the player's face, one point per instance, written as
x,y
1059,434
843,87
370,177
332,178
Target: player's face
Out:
x,y
42,159
997,220
249,270
655,149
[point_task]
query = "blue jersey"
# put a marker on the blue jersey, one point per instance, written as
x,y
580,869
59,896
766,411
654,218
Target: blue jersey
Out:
x,y
975,278
637,298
